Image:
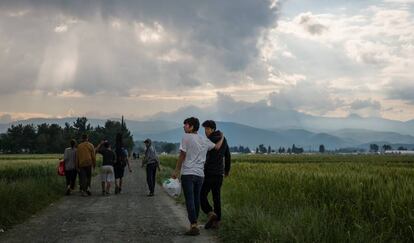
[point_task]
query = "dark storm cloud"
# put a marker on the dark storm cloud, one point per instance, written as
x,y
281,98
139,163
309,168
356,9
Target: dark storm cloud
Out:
x,y
94,46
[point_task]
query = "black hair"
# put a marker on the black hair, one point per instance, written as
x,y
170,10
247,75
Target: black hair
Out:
x,y
210,123
194,122
106,144
72,143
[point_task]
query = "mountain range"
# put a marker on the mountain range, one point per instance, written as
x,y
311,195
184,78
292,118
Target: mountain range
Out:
x,y
238,134
251,126
268,117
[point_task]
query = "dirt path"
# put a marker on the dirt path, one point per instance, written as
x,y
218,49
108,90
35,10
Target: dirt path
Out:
x,y
128,217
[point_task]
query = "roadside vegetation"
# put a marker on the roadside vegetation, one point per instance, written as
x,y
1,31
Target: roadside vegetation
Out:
x,y
317,198
28,183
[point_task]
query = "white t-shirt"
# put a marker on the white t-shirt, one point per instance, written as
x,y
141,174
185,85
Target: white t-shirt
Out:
x,y
195,147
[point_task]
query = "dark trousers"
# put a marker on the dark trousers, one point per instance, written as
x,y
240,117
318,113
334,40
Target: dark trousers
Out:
x,y
119,171
213,184
191,185
85,174
71,178
151,172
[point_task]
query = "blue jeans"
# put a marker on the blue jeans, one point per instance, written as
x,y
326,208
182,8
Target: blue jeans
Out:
x,y
191,185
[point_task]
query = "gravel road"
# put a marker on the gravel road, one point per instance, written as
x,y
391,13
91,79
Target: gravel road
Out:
x,y
127,217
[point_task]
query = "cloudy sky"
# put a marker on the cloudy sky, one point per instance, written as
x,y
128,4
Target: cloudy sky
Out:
x,y
137,58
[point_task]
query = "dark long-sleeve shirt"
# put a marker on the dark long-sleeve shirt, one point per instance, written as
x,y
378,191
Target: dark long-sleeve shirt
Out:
x,y
218,162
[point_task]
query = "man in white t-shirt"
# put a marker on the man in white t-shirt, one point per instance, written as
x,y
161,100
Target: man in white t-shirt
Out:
x,y
193,150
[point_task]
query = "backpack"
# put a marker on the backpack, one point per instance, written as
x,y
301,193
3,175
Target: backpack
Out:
x,y
121,158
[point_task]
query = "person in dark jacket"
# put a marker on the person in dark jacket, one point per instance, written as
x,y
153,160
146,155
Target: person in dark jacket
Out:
x,y
120,163
217,165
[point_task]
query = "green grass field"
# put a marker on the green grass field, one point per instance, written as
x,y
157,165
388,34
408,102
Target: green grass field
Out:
x,y
318,198
266,198
28,183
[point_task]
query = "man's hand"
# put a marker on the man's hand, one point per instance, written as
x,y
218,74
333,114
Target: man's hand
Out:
x,y
174,175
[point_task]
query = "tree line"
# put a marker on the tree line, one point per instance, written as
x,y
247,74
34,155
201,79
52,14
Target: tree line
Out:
x,y
261,149
375,148
52,138
160,147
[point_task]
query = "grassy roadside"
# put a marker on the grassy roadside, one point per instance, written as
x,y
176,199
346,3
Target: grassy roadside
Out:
x,y
352,200
27,185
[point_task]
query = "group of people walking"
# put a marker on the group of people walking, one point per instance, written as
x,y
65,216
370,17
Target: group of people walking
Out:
x,y
202,163
81,160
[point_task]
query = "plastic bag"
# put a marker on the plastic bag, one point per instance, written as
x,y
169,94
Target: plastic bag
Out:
x,y
61,168
172,187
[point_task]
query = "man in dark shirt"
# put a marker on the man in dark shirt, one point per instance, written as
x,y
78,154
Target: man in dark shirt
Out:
x,y
214,169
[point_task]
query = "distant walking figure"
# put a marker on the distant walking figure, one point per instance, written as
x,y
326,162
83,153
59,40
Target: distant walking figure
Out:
x,y
217,164
69,158
120,163
193,150
85,161
152,163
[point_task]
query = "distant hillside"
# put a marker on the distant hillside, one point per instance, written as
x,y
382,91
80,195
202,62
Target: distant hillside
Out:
x,y
366,136
266,117
238,134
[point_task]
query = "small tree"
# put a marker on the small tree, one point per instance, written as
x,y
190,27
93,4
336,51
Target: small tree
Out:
x,y
321,148
373,148
386,147
262,149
